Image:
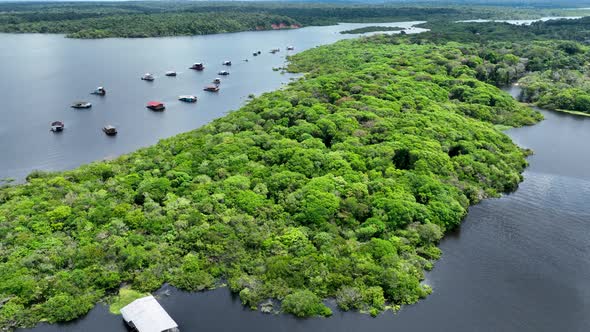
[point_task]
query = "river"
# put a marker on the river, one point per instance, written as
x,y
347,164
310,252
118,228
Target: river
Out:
x,y
42,75
518,263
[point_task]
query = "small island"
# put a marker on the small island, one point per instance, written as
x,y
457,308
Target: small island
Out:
x,y
370,29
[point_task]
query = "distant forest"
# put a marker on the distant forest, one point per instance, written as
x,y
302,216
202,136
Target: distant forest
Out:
x,y
154,19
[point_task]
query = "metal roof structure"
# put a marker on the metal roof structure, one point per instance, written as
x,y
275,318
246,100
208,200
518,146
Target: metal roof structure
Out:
x,y
147,315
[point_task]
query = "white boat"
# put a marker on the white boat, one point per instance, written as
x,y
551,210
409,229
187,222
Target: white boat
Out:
x,y
148,77
81,104
217,80
223,72
100,91
188,98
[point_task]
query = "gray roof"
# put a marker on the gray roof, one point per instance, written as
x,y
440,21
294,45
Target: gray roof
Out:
x,y
147,315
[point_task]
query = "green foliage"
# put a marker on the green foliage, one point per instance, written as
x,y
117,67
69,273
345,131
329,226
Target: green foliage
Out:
x,y
153,19
339,185
304,303
126,295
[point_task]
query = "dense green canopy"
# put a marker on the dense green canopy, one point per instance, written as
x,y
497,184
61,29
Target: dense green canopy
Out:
x,y
339,185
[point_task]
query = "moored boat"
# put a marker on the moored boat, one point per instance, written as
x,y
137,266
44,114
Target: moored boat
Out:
x,y
148,77
100,91
290,48
57,126
223,73
217,80
109,130
227,63
188,98
211,88
156,106
197,66
170,73
81,104
275,50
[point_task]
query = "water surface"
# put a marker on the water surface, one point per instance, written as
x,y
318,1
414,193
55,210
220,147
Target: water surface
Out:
x,y
43,74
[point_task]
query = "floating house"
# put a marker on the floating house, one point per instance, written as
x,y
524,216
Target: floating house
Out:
x,y
156,106
147,315
211,88
109,130
197,66
57,126
148,77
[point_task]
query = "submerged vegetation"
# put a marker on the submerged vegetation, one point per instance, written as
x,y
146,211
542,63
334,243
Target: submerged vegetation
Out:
x,y
339,185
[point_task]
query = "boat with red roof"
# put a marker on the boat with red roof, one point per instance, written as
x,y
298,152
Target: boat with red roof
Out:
x,y
156,106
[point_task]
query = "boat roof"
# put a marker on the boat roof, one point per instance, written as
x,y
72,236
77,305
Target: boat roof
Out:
x,y
109,127
154,103
147,315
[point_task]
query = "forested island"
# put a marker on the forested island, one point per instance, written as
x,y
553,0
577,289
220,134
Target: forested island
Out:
x,y
338,186
156,19
370,29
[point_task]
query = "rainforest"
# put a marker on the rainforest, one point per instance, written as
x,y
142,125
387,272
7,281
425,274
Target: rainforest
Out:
x,y
137,19
339,185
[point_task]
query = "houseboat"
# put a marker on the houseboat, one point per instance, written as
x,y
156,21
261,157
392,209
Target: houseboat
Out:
x,y
226,63
170,73
109,130
148,77
57,126
211,88
81,104
217,80
223,73
147,315
188,99
290,48
100,91
197,66
156,106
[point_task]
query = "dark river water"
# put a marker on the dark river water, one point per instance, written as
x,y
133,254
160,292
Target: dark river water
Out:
x,y
518,263
42,75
